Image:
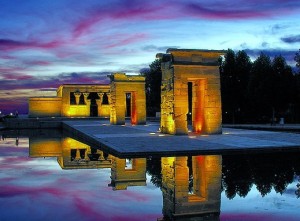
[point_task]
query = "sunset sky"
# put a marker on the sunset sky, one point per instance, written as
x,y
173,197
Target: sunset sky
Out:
x,y
44,44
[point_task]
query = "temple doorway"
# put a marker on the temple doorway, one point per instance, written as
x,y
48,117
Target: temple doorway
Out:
x,y
196,91
93,96
128,105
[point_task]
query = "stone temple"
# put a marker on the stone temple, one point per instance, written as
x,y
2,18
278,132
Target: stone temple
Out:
x,y
190,90
190,86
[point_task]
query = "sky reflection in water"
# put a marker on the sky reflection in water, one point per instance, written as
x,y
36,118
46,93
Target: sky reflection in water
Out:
x,y
38,189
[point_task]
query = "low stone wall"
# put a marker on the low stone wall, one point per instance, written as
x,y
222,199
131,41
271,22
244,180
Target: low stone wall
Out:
x,y
31,123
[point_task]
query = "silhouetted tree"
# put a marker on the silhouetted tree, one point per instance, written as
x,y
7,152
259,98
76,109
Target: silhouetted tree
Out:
x,y
153,82
153,168
260,89
243,69
234,71
297,59
228,86
297,78
284,87
266,171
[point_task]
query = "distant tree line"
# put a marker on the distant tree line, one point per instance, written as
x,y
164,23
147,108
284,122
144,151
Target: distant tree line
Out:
x,y
259,91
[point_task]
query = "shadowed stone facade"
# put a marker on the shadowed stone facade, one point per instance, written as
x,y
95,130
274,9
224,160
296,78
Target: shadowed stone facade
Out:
x,y
200,70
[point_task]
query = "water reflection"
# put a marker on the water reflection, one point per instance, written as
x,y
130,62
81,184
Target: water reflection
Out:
x,y
127,172
191,186
190,192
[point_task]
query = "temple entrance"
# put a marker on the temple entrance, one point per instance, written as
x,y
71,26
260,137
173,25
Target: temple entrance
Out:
x,y
190,91
128,99
93,96
190,105
128,105
196,91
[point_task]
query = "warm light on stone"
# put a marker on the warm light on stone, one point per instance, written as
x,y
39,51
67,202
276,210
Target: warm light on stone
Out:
x,y
180,198
122,177
81,105
122,85
200,69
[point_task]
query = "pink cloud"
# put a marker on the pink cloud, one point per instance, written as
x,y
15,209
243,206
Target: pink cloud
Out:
x,y
11,191
87,211
39,63
126,11
199,11
16,77
125,40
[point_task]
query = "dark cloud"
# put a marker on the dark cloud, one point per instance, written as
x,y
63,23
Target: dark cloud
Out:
x,y
291,39
287,54
154,48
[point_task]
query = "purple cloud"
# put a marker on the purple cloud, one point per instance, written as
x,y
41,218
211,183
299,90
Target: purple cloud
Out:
x,y
11,45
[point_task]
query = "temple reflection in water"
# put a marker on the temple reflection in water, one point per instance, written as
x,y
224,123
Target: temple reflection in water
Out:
x,y
191,186
189,189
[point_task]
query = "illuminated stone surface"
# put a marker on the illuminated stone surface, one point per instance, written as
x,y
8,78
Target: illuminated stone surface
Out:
x,y
193,191
70,153
128,172
45,106
200,69
122,85
44,147
73,100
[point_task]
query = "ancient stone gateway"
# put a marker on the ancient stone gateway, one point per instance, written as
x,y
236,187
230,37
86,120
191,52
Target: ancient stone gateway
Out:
x,y
190,88
127,98
191,191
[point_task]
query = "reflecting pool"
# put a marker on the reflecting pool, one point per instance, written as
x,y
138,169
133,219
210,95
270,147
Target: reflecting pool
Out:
x,y
47,175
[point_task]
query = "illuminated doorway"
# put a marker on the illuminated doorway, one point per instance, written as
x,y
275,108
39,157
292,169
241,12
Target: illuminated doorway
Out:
x,y
196,91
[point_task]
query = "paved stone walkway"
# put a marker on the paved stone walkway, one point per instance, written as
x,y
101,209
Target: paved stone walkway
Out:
x,y
146,140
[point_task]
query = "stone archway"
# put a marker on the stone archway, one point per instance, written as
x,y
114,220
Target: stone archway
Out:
x,y
203,177
123,86
200,70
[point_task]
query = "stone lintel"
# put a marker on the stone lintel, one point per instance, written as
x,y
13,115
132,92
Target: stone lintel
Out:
x,y
122,77
184,63
196,51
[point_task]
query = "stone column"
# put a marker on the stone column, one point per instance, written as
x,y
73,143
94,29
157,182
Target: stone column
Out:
x,y
77,95
86,94
109,97
100,94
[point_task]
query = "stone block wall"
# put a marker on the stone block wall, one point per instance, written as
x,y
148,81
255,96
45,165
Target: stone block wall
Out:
x,y
200,68
206,196
44,106
121,85
122,177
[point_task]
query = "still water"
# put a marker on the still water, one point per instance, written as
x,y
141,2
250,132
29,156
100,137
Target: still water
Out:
x,y
46,175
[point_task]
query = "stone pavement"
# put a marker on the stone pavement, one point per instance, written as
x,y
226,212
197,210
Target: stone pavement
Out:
x,y
146,140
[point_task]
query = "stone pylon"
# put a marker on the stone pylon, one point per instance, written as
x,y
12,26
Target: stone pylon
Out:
x,y
190,86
